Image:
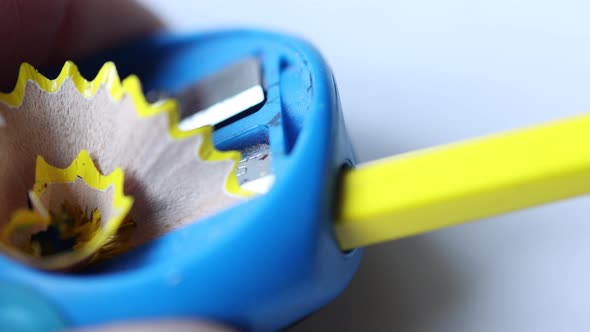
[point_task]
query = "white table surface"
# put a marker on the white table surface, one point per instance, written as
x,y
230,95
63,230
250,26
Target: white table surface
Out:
x,y
418,73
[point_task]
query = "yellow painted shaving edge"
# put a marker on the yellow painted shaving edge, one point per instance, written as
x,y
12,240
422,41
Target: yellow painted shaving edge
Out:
x,y
108,77
445,186
82,167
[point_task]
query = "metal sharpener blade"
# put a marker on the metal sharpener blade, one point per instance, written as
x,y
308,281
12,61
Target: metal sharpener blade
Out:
x,y
221,96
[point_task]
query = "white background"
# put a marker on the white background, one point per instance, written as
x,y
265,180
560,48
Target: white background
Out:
x,y
418,73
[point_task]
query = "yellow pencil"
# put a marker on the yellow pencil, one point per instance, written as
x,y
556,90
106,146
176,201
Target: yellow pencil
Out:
x,y
444,186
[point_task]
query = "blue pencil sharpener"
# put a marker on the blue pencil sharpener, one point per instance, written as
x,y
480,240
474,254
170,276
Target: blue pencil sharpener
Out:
x,y
261,265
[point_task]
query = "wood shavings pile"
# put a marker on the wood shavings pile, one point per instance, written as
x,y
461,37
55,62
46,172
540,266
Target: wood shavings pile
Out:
x,y
99,128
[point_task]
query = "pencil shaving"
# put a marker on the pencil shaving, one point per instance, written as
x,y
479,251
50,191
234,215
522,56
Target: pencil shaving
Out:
x,y
175,177
74,212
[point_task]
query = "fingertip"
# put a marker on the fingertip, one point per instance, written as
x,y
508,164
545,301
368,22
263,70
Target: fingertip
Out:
x,y
49,32
29,30
92,25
